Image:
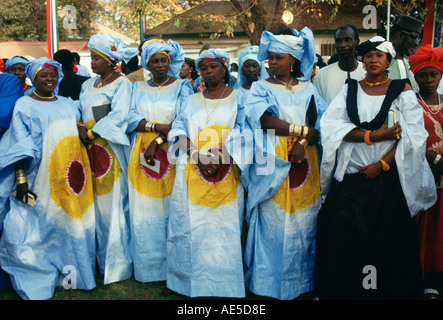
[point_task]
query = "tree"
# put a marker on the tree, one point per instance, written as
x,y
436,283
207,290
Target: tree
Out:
x,y
123,16
25,20
250,15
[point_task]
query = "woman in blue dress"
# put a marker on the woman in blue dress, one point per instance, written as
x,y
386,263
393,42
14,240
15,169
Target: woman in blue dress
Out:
x,y
155,104
105,101
207,201
49,228
250,69
282,209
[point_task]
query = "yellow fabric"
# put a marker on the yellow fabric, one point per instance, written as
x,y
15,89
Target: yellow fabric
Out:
x,y
104,184
201,191
66,151
301,197
141,182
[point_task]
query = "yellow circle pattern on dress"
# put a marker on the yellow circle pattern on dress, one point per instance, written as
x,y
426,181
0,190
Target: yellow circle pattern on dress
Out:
x,y
144,180
70,177
201,191
104,163
301,187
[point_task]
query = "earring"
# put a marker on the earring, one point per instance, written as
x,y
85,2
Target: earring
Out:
x,y
364,67
292,67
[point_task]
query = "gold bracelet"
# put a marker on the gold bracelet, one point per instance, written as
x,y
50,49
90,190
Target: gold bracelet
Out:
x,y
148,126
90,134
305,132
303,142
291,129
367,139
159,140
20,176
80,124
385,166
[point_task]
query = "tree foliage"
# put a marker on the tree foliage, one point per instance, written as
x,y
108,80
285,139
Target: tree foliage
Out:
x,y
25,20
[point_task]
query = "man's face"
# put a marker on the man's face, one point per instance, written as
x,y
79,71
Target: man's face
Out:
x,y
407,43
345,42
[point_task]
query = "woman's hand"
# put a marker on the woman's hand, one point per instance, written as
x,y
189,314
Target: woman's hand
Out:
x,y
82,133
385,133
163,129
313,135
297,155
371,171
207,163
150,152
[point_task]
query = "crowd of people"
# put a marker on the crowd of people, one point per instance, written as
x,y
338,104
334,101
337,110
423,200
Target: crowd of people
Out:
x,y
279,174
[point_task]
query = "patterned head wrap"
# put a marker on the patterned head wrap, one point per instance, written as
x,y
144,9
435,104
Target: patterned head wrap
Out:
x,y
300,45
213,55
426,56
250,53
35,66
111,48
171,49
376,43
14,61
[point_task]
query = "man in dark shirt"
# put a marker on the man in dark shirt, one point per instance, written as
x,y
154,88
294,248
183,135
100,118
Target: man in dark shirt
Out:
x,y
71,84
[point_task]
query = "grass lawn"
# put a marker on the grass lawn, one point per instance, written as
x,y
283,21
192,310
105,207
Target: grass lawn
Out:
x,y
124,290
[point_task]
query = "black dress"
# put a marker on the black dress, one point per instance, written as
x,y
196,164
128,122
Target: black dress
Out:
x,y
366,244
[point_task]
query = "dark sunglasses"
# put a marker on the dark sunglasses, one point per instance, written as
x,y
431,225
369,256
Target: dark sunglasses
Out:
x,y
415,38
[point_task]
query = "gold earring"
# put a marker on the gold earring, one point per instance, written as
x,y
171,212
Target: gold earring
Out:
x,y
292,67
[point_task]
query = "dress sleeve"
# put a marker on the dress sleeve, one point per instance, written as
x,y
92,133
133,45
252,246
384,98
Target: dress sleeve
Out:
x,y
113,126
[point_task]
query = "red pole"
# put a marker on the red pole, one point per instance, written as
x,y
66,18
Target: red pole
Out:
x,y
48,28
428,26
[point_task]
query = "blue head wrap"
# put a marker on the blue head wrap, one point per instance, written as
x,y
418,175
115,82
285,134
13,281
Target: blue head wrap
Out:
x,y
250,53
300,45
34,66
112,47
212,53
171,48
14,61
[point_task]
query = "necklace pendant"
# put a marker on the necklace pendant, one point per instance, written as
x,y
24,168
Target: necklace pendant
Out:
x,y
207,119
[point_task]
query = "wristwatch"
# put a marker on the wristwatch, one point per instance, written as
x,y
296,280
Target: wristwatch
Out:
x,y
159,140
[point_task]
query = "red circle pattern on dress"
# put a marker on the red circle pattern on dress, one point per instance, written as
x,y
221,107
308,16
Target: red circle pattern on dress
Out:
x,y
76,177
298,174
101,160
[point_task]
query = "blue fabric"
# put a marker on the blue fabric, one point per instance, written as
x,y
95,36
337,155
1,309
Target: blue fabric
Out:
x,y
174,50
112,46
39,243
304,51
35,64
10,90
149,227
110,189
280,247
205,222
250,53
14,61
213,53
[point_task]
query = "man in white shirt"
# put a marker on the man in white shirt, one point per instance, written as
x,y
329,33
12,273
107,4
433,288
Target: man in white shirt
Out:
x,y
330,79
